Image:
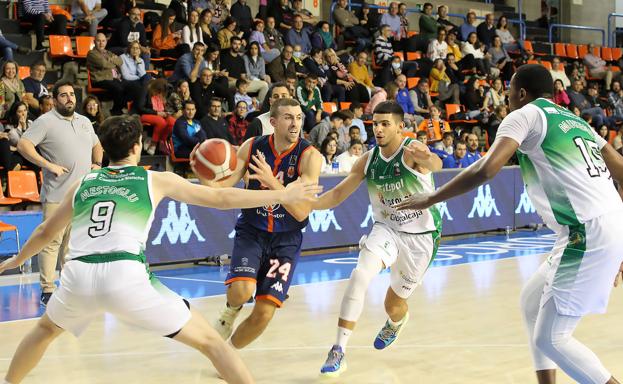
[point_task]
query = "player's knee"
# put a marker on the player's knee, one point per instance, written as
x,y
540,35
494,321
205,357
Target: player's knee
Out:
x,y
47,329
240,292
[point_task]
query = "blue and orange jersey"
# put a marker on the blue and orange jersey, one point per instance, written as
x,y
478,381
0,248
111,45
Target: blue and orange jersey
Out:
x,y
286,168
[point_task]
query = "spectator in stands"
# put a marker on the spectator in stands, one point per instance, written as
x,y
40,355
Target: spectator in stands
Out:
x,y
438,48
234,64
368,20
298,35
282,66
604,132
199,5
105,69
11,87
577,73
311,101
7,47
428,26
298,10
599,68
386,93
319,133
560,95
473,99
447,142
468,26
298,55
187,132
35,86
220,12
357,110
354,132
180,8
383,50
190,64
473,154
69,150
134,67
444,20
92,110
558,72
343,132
17,124
274,38
500,59
402,97
241,95
508,41
322,38
205,23
254,64
191,33
347,159
350,25
434,127
242,13
261,124
176,100
421,99
214,125
441,83
477,50
496,95
157,114
615,98
339,76
501,111
269,54
359,70
166,42
315,64
89,12
46,104
486,30
580,100
454,72
38,12
238,125
392,19
213,63
204,90
129,30
291,82
229,31
458,158
328,150
408,43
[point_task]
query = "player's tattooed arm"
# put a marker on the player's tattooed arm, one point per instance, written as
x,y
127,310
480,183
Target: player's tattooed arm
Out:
x,y
346,187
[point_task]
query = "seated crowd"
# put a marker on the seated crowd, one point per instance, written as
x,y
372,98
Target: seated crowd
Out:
x,y
225,68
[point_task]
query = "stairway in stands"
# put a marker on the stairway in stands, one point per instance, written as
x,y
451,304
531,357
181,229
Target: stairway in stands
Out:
x,y
535,32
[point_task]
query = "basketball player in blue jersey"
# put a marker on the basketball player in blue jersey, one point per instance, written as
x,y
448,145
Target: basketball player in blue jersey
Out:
x,y
267,244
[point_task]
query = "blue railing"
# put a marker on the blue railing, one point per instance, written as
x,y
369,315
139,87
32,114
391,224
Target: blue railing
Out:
x,y
612,33
580,27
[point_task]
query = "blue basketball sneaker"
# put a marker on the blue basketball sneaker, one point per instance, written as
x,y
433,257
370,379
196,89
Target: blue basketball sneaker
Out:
x,y
389,333
335,364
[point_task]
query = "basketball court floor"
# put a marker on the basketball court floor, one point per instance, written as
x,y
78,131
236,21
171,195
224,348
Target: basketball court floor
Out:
x,y
465,325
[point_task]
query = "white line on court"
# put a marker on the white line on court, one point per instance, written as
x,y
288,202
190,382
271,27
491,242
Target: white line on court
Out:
x,y
189,279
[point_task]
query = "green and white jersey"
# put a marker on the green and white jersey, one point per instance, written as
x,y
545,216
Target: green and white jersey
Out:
x,y
112,212
561,164
390,181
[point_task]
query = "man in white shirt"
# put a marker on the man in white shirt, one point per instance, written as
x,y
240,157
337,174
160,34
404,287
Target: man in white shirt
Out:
x,y
558,72
347,159
438,48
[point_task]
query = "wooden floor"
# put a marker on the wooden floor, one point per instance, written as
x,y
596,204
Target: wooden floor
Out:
x,y
465,328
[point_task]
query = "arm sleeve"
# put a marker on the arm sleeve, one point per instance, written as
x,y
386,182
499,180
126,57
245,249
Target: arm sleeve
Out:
x,y
36,133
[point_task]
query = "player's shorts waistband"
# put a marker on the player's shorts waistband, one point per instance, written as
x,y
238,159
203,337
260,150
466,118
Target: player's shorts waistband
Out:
x,y
110,257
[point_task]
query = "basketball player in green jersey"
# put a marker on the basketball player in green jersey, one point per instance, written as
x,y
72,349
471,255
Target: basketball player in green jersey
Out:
x,y
110,211
407,241
568,170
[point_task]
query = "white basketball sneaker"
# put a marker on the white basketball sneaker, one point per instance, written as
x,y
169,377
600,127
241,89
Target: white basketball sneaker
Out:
x,y
224,325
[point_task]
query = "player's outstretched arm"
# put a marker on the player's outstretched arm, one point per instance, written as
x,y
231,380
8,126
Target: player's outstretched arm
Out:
x,y
482,170
422,157
614,162
44,233
345,188
168,184
241,167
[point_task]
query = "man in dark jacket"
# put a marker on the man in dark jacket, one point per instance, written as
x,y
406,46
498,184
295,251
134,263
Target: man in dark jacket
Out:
x,y
242,13
128,30
281,67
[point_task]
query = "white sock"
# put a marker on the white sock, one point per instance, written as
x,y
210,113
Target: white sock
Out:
x,y
395,323
234,308
343,334
5,382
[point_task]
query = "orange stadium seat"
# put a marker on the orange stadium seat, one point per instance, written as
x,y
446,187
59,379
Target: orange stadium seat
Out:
x,y
606,53
582,51
412,56
329,107
83,45
412,82
559,50
24,72
572,51
60,47
23,185
616,53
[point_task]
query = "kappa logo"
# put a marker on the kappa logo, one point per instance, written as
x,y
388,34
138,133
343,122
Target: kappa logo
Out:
x,y
177,228
277,287
369,218
323,220
484,203
444,211
525,204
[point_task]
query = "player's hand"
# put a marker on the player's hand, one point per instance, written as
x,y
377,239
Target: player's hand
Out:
x,y
57,169
263,171
418,151
10,263
301,192
416,201
619,277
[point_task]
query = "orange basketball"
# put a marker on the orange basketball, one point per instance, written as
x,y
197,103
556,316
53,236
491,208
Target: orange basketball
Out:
x,y
215,159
